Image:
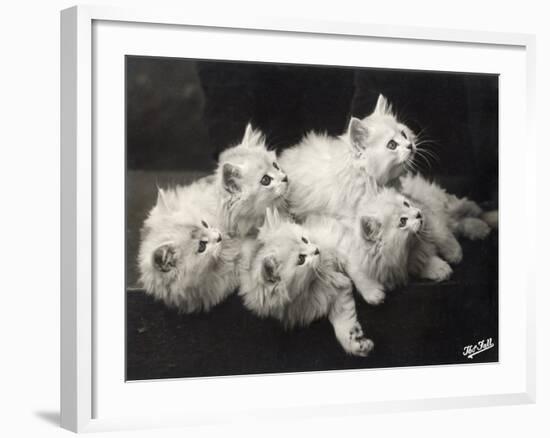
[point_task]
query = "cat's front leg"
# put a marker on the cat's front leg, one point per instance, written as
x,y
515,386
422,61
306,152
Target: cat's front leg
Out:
x,y
347,328
450,249
371,290
436,269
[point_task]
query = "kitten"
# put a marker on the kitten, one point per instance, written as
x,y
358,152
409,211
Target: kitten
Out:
x,y
250,180
453,216
382,244
330,175
287,276
184,259
464,217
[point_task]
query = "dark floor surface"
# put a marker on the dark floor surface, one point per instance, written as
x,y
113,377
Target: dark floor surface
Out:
x,y
423,324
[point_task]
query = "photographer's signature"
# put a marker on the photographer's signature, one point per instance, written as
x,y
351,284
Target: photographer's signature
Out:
x,y
471,350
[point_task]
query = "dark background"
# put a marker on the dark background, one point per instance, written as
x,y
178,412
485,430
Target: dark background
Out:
x,y
181,113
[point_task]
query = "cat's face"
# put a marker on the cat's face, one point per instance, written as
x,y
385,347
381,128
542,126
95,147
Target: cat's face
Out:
x,y
381,144
390,218
286,260
178,244
250,171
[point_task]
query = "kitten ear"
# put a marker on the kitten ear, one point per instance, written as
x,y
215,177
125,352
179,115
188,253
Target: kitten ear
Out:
x,y
358,134
252,137
272,218
164,257
162,204
370,227
383,107
270,267
248,133
231,178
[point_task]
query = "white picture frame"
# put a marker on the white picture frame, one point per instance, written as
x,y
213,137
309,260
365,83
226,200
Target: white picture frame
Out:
x,y
79,199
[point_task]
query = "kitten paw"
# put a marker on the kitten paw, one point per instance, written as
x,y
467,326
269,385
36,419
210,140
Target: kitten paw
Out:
x,y
474,228
452,253
471,208
437,270
374,296
359,345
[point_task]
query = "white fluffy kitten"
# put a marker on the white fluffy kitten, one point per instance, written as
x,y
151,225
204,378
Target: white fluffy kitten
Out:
x,y
386,240
287,276
330,175
452,216
250,181
184,259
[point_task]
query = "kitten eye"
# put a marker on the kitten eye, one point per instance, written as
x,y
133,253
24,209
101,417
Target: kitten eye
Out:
x,y
204,224
275,165
402,222
305,240
202,246
301,259
406,204
391,145
403,134
266,180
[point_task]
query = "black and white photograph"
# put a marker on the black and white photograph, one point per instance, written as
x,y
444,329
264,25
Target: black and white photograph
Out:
x,y
285,218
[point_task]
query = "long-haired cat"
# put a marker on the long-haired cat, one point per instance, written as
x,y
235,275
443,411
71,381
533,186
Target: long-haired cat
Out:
x,y
452,216
250,181
330,175
184,259
387,239
285,274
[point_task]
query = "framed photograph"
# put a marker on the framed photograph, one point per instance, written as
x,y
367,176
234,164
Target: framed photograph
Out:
x,y
291,218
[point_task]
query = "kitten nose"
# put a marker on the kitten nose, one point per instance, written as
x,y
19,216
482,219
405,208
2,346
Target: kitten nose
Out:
x,y
219,238
410,146
317,252
285,179
419,215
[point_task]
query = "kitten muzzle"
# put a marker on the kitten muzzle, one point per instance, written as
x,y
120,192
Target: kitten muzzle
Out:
x,y
416,226
281,190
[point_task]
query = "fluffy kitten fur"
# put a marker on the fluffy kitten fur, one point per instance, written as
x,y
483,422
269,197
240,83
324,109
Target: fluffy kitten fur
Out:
x,y
330,175
453,216
386,240
184,259
287,275
250,181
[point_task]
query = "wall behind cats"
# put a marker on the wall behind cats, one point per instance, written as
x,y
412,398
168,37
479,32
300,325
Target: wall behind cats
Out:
x,y
182,113
30,320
